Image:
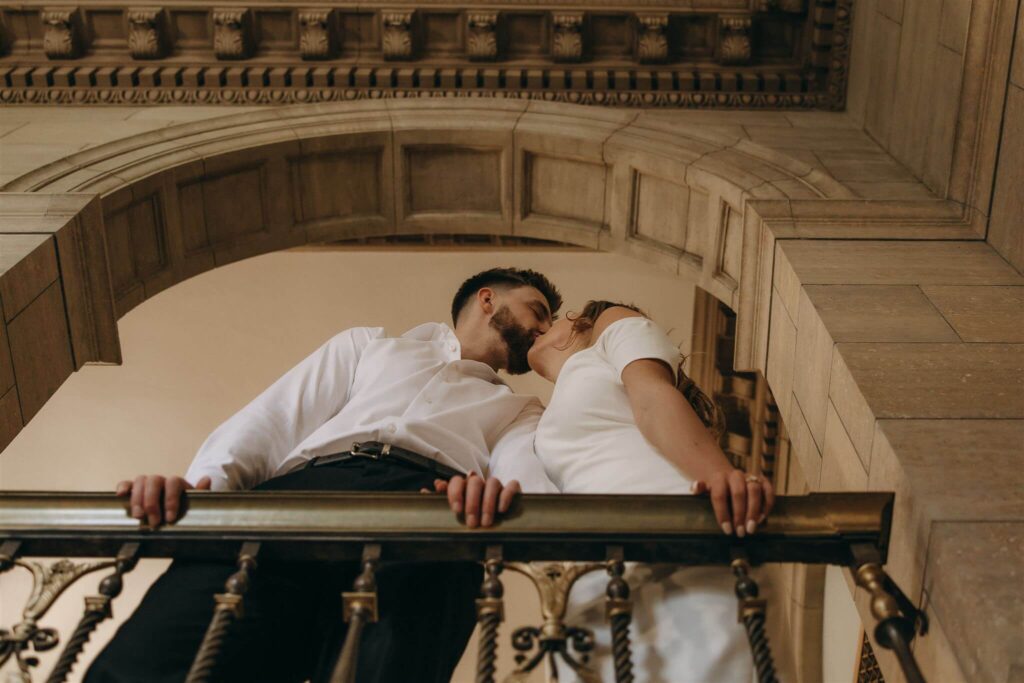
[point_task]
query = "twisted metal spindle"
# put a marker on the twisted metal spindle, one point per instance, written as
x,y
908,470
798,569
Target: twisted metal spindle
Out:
x,y
359,609
97,608
752,614
490,610
619,610
228,609
898,620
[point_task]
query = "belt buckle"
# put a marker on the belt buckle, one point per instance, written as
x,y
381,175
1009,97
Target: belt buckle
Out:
x,y
357,449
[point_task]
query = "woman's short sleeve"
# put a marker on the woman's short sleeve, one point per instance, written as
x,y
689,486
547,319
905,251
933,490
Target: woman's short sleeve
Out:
x,y
636,338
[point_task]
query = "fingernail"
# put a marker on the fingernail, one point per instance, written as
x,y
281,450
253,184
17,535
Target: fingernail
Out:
x,y
458,508
170,517
136,511
740,531
486,520
727,528
751,526
471,520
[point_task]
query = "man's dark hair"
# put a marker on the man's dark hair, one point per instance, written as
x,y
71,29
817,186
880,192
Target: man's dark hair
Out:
x,y
505,277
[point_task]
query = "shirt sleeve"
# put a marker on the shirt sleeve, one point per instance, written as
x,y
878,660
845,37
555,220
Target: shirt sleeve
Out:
x,y
514,456
247,449
636,338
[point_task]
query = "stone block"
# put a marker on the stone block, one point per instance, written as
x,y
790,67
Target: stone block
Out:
x,y
1004,232
40,350
781,356
943,106
1017,67
28,265
955,19
842,467
934,654
848,400
878,313
882,63
973,575
807,474
868,262
981,313
890,190
812,368
926,380
941,461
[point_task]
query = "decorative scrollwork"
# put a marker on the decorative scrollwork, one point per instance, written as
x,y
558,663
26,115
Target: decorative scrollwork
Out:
x,y
553,640
48,583
396,40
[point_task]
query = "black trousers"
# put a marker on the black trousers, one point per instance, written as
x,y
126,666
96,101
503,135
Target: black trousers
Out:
x,y
292,630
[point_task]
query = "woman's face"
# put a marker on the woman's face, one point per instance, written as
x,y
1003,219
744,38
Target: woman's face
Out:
x,y
549,353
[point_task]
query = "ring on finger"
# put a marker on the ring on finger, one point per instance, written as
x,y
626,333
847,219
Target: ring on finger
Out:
x,y
753,479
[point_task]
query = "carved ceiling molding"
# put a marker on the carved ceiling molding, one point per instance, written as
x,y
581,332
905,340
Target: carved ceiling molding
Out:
x,y
713,53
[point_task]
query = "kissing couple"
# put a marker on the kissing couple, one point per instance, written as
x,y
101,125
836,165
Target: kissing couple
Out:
x,y
372,412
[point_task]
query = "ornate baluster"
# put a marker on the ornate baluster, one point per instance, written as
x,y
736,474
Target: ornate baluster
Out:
x,y
752,615
898,619
360,608
490,611
619,611
97,608
228,608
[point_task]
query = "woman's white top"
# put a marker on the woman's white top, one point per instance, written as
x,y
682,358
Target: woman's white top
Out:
x,y
587,437
684,627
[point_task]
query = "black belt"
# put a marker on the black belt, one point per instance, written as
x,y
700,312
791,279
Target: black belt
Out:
x,y
375,450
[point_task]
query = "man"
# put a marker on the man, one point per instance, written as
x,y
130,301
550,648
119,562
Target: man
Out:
x,y
431,401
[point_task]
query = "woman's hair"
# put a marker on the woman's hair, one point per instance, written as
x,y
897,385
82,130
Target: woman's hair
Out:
x,y
707,410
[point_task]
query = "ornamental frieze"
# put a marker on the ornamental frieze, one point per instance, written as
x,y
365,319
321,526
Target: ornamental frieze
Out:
x,y
745,53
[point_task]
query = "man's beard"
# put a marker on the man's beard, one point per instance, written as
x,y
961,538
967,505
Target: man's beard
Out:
x,y
517,338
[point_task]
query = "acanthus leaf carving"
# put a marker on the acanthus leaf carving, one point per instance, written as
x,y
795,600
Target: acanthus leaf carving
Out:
x,y
567,39
147,32
652,38
482,35
317,39
734,41
396,34
232,32
62,37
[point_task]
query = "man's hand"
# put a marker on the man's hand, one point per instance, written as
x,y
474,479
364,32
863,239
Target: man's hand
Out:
x,y
479,500
741,502
156,498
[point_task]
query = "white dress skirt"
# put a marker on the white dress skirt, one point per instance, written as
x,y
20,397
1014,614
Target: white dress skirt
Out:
x,y
684,627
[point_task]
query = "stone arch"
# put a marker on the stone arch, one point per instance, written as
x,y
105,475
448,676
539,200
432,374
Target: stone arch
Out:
x,y
132,217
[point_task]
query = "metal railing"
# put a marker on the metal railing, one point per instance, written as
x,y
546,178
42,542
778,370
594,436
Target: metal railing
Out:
x,y
553,539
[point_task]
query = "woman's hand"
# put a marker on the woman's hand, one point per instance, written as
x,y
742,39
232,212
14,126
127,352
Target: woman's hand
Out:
x,y
741,501
480,501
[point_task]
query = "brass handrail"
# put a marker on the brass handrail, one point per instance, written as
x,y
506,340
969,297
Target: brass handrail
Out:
x,y
816,528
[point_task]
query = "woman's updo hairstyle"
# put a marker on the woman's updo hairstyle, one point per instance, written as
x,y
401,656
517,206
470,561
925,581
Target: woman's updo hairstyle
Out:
x,y
707,410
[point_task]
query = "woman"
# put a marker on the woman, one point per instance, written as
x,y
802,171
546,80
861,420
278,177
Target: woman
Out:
x,y
623,420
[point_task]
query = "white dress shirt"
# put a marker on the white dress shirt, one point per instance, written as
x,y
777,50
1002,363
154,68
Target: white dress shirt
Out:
x,y
414,391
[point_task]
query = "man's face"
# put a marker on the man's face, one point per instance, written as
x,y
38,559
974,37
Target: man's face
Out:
x,y
522,315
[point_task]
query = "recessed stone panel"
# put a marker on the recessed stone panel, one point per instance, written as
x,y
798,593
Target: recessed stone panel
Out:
x,y
359,32
730,254
276,30
611,34
527,34
445,178
135,243
340,185
442,33
233,204
565,188
661,210
192,28
106,29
